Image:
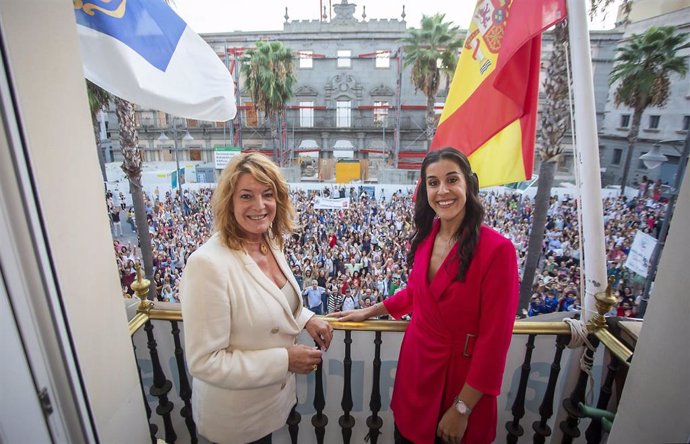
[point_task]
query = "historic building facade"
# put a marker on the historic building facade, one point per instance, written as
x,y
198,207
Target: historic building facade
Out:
x,y
354,100
667,126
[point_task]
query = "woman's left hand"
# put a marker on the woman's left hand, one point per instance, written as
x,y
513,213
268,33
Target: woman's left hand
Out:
x,y
321,331
452,426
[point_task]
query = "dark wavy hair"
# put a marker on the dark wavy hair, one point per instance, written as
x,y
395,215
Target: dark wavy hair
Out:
x,y
468,232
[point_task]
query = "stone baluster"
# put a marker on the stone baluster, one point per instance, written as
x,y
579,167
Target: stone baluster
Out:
x,y
541,427
161,385
319,420
293,421
374,422
141,289
347,421
185,387
515,430
594,431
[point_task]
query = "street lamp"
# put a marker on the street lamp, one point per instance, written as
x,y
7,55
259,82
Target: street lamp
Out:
x,y
187,138
652,160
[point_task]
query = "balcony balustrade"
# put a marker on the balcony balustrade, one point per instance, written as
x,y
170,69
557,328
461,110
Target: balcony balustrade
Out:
x,y
359,369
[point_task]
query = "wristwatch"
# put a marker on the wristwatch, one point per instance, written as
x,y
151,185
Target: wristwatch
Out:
x,y
461,407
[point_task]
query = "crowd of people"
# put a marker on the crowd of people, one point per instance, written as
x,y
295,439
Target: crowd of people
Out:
x,y
354,257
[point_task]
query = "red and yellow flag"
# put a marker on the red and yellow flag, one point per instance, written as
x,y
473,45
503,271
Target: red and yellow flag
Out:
x,y
491,110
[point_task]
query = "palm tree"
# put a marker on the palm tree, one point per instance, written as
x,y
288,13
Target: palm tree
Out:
x,y
432,50
554,124
98,99
129,145
268,76
131,165
642,68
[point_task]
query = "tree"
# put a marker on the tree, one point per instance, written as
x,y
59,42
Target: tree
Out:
x,y
129,145
98,99
131,165
432,50
268,77
643,67
554,124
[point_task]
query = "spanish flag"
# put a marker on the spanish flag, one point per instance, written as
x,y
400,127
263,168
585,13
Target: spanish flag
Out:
x,y
490,113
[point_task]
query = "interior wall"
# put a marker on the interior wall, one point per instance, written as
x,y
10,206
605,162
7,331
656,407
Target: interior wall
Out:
x,y
51,95
655,403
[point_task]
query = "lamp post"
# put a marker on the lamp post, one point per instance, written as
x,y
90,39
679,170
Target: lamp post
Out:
x,y
652,160
187,138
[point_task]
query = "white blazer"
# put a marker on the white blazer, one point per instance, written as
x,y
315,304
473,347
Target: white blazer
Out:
x,y
238,325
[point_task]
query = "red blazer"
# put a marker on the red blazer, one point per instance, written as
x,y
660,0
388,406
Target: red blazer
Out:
x,y
460,332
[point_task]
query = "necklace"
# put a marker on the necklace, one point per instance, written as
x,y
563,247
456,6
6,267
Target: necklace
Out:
x,y
263,248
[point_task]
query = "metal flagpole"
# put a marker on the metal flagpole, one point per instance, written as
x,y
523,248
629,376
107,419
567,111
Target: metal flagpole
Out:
x,y
586,141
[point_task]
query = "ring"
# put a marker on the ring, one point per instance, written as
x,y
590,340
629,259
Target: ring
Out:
x,y
315,367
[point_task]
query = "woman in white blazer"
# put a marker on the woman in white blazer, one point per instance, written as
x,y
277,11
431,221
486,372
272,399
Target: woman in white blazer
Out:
x,y
242,310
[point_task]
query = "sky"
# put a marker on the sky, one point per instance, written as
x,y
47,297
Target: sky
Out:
x,y
268,15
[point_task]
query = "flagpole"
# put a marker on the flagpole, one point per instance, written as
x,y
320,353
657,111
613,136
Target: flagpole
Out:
x,y
587,144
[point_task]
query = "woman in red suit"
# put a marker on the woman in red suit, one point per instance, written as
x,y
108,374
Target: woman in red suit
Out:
x,y
463,294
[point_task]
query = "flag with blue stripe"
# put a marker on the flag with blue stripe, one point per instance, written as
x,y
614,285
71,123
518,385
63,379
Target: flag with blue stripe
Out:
x,y
143,52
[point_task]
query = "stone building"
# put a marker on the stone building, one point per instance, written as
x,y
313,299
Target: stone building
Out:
x,y
354,101
668,125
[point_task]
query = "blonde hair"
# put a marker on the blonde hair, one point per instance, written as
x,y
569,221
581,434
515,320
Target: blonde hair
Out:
x,y
264,171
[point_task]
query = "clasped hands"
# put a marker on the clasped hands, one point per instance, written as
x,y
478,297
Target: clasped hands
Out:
x,y
303,359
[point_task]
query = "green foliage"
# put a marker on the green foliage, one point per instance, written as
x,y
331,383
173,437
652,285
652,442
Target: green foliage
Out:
x,y
601,6
268,75
98,98
644,64
432,50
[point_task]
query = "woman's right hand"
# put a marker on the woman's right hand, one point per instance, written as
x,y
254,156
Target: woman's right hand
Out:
x,y
303,359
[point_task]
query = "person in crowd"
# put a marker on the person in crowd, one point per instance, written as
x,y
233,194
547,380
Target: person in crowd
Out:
x,y
338,240
350,302
463,293
536,305
242,311
117,224
127,276
166,294
313,295
335,299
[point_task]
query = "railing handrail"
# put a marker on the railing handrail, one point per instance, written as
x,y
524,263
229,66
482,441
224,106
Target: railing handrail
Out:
x,y
520,327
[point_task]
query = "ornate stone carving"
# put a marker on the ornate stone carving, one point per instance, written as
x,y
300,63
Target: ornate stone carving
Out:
x,y
306,90
382,90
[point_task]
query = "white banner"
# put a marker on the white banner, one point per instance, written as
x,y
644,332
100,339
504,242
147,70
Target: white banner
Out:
x,y
641,253
223,154
322,203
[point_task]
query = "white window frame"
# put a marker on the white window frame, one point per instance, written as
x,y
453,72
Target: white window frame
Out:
x,y
654,121
344,58
306,59
438,111
383,59
306,114
343,114
380,114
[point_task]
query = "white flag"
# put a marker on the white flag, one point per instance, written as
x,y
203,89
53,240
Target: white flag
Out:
x,y
143,52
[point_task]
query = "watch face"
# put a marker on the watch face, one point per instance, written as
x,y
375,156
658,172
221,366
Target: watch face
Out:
x,y
462,408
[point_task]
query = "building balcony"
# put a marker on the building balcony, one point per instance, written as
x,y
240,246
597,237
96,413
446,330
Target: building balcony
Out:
x,y
347,398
